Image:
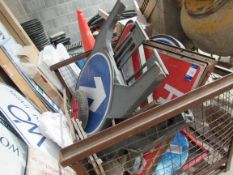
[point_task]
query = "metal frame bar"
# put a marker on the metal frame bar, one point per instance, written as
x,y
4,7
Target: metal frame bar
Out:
x,y
58,74
79,168
69,61
56,66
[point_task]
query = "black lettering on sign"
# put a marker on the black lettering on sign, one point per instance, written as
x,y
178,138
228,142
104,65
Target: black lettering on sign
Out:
x,y
26,119
5,142
14,149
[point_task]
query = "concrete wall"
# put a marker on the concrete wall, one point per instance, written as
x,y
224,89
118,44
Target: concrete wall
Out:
x,y
17,8
57,15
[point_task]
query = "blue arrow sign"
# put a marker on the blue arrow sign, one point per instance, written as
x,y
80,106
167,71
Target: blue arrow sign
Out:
x,y
96,82
173,160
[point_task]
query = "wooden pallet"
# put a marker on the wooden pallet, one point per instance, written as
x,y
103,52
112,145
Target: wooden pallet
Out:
x,y
19,81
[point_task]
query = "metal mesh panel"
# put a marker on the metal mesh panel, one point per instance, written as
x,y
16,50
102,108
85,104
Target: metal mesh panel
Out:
x,y
70,77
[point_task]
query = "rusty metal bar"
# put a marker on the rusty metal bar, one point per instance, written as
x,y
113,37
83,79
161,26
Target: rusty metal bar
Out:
x,y
79,168
69,95
222,70
70,60
179,51
143,121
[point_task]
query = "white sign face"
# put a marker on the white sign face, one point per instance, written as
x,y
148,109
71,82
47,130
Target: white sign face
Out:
x,y
13,153
23,116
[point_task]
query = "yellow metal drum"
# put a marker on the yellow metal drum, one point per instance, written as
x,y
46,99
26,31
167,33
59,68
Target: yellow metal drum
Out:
x,y
209,24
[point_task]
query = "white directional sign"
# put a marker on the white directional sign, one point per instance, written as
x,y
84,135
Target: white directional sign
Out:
x,y
96,81
91,93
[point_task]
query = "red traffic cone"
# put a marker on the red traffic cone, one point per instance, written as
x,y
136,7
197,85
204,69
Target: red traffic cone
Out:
x,y
88,40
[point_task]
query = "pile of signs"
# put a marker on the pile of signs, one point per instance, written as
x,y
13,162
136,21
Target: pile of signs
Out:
x,y
117,82
106,81
136,73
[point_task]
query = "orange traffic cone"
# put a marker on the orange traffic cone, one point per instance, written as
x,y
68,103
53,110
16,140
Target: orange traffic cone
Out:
x,y
88,40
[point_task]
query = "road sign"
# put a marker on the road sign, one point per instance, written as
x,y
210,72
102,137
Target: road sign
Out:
x,y
23,117
175,157
184,75
96,82
13,152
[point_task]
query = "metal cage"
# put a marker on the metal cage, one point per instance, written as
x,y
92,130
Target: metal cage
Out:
x,y
145,143
191,134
